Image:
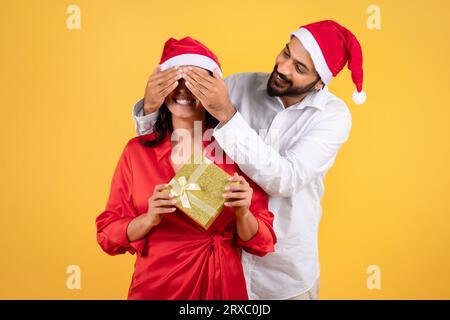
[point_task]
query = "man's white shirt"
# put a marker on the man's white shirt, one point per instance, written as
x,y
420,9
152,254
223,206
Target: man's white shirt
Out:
x,y
287,152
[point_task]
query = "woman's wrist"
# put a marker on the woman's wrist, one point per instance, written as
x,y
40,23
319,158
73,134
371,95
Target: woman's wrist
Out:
x,y
148,221
246,225
243,216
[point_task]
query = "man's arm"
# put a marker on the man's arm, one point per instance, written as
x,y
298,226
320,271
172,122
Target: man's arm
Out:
x,y
284,175
278,174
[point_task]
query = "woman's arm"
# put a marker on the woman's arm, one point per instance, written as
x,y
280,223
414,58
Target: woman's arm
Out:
x,y
239,197
253,219
139,227
112,223
120,228
159,204
247,226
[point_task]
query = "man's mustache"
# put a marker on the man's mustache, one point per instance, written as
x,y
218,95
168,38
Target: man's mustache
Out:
x,y
282,76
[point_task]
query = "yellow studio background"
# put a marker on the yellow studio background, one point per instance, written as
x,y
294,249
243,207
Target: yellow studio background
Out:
x,y
66,99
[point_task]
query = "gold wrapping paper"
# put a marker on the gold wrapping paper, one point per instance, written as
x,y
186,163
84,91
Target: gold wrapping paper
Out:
x,y
198,187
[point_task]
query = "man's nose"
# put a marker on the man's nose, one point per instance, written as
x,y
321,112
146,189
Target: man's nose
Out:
x,y
284,68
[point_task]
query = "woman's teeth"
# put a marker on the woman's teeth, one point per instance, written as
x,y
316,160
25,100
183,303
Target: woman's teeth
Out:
x,y
184,101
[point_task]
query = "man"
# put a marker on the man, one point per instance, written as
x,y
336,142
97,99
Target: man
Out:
x,y
292,104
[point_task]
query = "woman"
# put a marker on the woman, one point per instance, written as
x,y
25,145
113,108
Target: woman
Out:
x,y
178,259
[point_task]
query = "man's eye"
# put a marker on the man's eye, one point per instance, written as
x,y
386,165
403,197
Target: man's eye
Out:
x,y
286,54
300,70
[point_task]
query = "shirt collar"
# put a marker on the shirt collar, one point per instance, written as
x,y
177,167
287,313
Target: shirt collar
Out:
x,y
315,100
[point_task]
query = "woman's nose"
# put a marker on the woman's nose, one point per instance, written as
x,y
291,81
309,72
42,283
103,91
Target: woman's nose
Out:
x,y
181,88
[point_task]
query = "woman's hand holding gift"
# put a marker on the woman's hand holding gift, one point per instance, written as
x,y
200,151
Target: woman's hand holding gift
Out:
x,y
159,204
239,196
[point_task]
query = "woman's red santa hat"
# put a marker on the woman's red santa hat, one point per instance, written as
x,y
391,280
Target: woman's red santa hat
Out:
x,y
188,51
331,46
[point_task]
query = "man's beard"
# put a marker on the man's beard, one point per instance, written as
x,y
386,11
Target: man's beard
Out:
x,y
290,90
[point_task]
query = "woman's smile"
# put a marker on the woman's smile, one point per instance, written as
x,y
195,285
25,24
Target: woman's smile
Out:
x,y
184,101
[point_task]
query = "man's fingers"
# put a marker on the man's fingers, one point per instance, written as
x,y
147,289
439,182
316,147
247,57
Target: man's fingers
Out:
x,y
169,80
164,84
198,74
198,84
170,83
156,69
196,92
165,92
204,80
166,75
155,76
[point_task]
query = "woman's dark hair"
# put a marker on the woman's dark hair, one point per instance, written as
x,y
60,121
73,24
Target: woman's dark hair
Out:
x,y
163,126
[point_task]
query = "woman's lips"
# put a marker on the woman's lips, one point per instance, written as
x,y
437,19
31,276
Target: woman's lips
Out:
x,y
184,101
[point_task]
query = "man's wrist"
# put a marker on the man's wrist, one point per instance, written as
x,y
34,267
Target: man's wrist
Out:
x,y
149,108
228,114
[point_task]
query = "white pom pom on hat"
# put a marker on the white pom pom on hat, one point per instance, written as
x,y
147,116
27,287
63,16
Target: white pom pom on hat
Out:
x,y
331,47
359,97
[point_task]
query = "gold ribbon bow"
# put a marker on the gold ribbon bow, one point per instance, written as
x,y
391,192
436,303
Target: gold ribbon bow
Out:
x,y
180,187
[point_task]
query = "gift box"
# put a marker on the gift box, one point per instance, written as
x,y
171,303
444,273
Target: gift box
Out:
x,y
198,186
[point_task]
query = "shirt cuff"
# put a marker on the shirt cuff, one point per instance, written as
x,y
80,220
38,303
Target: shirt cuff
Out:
x,y
228,133
261,243
144,123
120,231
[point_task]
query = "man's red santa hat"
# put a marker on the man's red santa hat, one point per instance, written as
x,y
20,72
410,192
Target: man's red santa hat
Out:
x,y
188,51
331,46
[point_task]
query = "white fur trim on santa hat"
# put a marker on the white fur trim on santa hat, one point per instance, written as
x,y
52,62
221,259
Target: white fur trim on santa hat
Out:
x,y
191,59
359,97
309,42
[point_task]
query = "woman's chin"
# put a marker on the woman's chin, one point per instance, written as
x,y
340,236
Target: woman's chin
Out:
x,y
183,111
